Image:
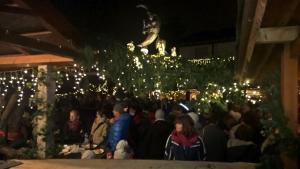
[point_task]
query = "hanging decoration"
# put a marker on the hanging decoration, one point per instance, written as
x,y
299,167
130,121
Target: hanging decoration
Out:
x,y
20,81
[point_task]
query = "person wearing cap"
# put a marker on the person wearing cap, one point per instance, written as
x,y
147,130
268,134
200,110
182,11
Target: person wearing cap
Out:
x,y
156,138
119,128
195,118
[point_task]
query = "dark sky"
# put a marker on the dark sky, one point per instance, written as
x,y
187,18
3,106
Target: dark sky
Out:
x,y
183,22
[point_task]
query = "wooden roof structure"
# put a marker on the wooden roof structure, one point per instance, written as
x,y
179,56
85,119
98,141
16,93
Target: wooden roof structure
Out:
x,y
263,27
33,32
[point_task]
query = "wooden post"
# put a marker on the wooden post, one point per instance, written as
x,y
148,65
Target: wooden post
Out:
x,y
289,94
46,92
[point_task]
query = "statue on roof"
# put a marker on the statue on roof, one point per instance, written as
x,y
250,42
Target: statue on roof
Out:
x,y
151,27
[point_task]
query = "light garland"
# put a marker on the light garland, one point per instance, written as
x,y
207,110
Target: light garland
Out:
x,y
18,80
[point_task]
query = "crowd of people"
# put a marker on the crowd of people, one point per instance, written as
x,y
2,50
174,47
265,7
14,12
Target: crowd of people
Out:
x,y
126,131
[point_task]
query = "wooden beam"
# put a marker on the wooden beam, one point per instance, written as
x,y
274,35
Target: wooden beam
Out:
x,y
53,21
34,44
274,12
246,12
17,48
257,19
277,34
289,93
31,34
295,48
15,10
15,60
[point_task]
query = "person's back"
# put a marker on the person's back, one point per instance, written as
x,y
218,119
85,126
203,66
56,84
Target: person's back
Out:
x,y
156,139
215,141
241,147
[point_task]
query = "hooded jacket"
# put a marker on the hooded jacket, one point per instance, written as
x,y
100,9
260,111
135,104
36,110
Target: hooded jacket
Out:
x,y
180,147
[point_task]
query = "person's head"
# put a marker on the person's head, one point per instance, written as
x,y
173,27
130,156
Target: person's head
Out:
x,y
118,109
74,115
184,125
195,118
99,114
244,132
159,114
132,111
216,113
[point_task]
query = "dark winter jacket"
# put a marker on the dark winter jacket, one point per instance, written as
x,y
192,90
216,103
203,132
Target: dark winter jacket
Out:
x,y
73,132
156,138
118,131
242,151
179,147
215,141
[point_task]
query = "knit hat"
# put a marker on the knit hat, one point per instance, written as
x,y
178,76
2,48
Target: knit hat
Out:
x,y
121,152
195,118
119,107
159,114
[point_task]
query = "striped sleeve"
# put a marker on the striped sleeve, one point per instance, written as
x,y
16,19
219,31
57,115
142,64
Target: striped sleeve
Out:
x,y
203,153
168,151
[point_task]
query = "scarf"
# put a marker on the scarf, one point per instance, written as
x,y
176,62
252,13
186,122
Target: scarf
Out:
x,y
183,140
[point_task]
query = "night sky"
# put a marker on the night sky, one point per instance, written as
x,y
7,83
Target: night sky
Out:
x,y
183,22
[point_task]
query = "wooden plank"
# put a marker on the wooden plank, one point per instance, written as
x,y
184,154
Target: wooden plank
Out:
x,y
9,164
247,9
289,84
34,44
289,94
129,164
277,34
257,19
10,60
32,34
15,10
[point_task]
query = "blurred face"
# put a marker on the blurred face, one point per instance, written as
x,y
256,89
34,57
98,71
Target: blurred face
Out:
x,y
116,114
73,116
132,111
98,115
178,127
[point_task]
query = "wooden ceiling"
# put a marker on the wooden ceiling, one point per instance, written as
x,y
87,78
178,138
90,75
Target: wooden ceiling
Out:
x,y
32,32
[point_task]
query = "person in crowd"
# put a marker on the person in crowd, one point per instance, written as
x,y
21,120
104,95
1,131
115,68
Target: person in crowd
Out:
x,y
175,112
123,151
73,132
195,118
156,137
214,137
184,143
97,136
252,118
119,128
99,129
139,126
242,148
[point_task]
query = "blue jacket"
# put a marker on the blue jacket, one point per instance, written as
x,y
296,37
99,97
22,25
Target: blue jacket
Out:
x,y
118,131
